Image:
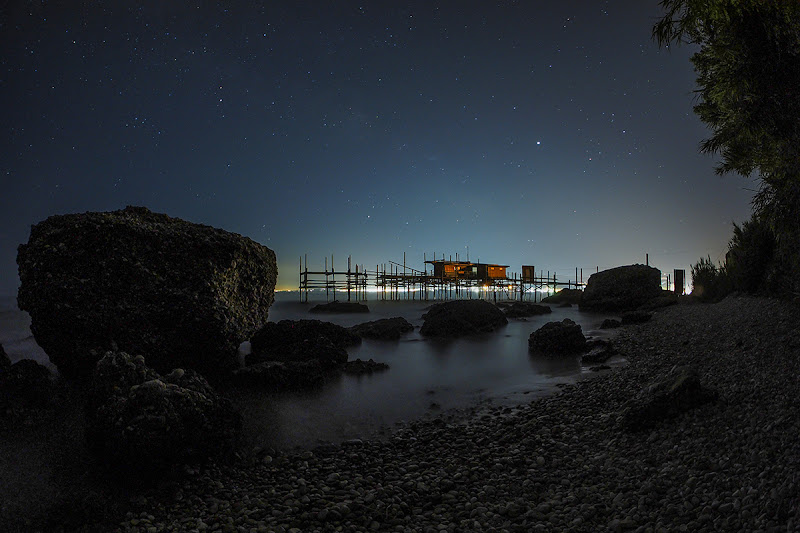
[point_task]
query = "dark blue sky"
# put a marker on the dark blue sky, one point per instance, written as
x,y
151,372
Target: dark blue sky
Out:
x,y
553,134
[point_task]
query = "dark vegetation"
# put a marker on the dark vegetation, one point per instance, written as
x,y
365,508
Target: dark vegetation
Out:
x,y
748,68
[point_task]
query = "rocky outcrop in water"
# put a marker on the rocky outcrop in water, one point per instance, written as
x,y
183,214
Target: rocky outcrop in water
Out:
x,y
525,309
282,376
182,294
301,340
675,393
462,317
385,329
360,367
148,423
621,289
564,296
558,338
340,307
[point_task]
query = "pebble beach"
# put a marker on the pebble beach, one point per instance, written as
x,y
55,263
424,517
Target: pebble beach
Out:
x,y
559,463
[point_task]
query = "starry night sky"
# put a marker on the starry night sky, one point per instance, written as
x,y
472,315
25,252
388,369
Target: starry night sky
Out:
x,y
548,133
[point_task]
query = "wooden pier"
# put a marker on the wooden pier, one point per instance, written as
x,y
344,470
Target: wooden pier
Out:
x,y
445,280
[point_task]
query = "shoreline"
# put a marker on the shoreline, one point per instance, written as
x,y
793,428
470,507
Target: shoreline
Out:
x,y
558,463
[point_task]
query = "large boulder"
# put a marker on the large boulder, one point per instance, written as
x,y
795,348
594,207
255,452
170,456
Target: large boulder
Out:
x,y
668,397
385,329
558,338
462,317
148,423
621,289
301,340
181,294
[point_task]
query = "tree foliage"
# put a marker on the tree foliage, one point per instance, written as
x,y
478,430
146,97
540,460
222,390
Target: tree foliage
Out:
x,y
748,93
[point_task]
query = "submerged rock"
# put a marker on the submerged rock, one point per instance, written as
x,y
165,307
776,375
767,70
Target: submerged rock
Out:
x,y
675,393
560,338
360,366
182,294
621,289
280,376
301,340
388,329
569,296
148,423
462,317
340,307
525,309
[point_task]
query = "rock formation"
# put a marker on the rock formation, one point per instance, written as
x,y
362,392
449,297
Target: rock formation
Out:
x,y
147,423
668,397
387,329
462,317
558,338
621,289
181,294
569,296
525,309
301,340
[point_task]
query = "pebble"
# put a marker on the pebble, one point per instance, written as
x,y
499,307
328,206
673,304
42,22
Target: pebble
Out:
x,y
730,466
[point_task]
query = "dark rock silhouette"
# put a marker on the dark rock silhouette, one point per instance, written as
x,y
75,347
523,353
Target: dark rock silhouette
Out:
x,y
598,351
558,338
340,307
610,323
280,376
568,296
181,294
301,340
360,366
666,299
462,317
635,317
675,393
388,329
5,362
25,385
150,424
621,289
525,309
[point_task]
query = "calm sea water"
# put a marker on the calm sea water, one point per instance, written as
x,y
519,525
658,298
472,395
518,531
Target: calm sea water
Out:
x,y
426,377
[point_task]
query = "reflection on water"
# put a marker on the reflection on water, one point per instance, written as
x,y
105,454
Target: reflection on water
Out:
x,y
425,376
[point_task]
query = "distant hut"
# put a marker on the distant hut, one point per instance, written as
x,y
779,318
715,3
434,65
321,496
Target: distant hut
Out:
x,y
467,270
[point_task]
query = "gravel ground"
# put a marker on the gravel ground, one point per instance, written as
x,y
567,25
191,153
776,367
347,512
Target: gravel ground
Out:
x,y
557,464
